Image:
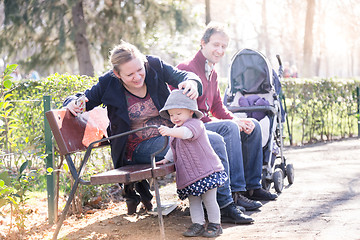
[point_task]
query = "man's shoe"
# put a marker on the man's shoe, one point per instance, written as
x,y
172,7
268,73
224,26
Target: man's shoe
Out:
x,y
212,230
260,194
243,201
194,230
231,214
241,208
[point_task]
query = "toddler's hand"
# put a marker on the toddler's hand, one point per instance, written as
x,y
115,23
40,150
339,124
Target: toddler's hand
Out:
x,y
164,130
161,162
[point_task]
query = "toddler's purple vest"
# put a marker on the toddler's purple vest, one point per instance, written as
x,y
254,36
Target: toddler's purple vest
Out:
x,y
194,158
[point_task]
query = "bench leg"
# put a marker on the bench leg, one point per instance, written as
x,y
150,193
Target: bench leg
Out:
x,y
66,209
159,209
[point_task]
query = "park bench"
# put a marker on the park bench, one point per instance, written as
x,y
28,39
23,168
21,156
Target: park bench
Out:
x,y
87,131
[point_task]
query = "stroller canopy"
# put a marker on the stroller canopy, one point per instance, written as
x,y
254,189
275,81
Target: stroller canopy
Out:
x,y
250,73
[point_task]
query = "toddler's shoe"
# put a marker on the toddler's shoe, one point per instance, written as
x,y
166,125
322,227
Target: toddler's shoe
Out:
x,y
194,230
213,230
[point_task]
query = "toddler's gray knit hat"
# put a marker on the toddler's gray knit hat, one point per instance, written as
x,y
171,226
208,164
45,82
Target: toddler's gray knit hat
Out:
x,y
177,99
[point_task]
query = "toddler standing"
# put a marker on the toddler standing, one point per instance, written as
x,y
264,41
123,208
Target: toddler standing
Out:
x,y
199,170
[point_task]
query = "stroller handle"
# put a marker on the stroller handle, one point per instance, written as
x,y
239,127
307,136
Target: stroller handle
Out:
x,y
281,70
279,60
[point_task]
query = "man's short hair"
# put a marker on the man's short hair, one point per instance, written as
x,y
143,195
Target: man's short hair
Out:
x,y
212,28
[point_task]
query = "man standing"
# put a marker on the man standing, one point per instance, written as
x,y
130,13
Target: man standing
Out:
x,y
242,136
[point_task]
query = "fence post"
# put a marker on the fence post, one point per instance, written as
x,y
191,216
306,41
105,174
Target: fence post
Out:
x,y
50,177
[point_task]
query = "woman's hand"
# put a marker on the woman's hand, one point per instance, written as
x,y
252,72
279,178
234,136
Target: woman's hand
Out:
x,y
74,108
190,88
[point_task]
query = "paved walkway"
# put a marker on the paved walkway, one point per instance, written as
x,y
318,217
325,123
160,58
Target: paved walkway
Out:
x,y
323,202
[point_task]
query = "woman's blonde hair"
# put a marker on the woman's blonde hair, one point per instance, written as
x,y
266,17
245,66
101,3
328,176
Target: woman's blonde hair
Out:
x,y
123,53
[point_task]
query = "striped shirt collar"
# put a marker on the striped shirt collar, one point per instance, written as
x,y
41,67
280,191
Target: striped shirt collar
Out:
x,y
208,69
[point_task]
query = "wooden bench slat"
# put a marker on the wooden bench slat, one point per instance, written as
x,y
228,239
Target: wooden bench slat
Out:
x,y
164,170
131,173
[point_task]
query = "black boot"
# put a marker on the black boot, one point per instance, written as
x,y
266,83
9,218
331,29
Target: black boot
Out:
x,y
143,188
132,199
132,205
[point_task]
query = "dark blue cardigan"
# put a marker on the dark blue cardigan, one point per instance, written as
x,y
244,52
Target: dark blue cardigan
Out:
x,y
110,92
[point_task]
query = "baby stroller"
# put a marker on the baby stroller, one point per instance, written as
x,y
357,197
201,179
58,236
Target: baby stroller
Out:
x,y
254,91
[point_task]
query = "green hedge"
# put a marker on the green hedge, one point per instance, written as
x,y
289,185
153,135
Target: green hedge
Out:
x,y
26,139
321,109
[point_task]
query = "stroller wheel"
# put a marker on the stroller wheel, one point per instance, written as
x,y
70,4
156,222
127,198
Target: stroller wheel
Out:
x,y
265,183
290,173
278,179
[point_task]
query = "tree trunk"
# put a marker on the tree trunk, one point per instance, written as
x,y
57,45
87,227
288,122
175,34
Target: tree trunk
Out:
x,y
207,12
308,39
264,32
80,41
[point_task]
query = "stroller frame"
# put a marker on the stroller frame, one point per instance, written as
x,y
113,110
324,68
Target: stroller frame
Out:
x,y
275,168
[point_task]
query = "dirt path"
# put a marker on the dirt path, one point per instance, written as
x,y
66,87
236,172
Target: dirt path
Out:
x,y
323,203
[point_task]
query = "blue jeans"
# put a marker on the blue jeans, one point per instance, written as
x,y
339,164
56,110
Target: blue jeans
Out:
x,y
244,154
144,149
224,196
252,156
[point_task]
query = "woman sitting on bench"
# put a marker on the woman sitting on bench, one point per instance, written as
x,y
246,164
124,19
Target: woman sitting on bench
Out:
x,y
134,91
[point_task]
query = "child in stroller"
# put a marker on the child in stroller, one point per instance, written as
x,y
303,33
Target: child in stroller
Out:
x,y
254,91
